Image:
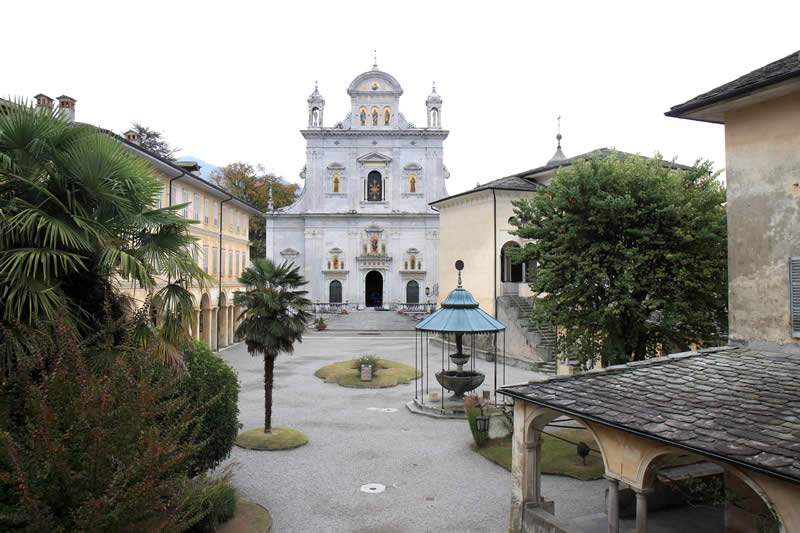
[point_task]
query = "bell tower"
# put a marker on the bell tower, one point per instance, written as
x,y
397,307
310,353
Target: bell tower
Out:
x,y
434,105
316,106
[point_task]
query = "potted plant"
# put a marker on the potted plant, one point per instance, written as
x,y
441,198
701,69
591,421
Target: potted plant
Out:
x,y
321,324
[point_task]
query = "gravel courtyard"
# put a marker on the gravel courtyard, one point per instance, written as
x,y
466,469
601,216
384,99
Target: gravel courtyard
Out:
x,y
433,480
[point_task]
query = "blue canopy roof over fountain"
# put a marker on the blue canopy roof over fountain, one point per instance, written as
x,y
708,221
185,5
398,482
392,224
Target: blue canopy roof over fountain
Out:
x,y
460,313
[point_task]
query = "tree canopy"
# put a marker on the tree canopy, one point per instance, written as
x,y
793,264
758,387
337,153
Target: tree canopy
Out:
x,y
630,257
252,185
154,141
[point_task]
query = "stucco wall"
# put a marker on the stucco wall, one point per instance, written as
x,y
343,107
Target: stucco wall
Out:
x,y
763,173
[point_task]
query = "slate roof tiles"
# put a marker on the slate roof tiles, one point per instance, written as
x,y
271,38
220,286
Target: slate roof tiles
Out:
x,y
741,404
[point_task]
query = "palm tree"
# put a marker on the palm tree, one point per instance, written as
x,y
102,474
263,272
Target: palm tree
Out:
x,y
273,316
77,217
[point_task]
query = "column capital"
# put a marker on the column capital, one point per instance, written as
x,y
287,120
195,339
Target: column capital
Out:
x,y
644,491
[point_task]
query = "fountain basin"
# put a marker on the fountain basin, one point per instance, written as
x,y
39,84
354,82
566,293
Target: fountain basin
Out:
x,y
460,382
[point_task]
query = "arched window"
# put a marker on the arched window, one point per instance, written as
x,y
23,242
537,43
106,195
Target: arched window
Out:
x,y
315,117
412,262
412,292
336,182
412,183
510,271
434,117
335,296
374,186
362,116
374,116
387,116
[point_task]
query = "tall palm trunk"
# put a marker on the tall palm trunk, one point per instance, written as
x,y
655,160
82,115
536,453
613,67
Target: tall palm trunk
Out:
x,y
269,368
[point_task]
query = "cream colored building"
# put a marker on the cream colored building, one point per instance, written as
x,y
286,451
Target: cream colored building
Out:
x,y
222,230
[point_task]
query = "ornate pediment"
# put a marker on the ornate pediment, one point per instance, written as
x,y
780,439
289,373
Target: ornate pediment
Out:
x,y
289,252
335,251
335,166
412,166
412,251
374,157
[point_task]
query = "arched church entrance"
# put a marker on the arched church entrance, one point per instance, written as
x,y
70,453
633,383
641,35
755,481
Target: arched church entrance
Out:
x,y
373,289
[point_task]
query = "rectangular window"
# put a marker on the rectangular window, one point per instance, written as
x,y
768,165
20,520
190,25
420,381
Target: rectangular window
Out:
x,y
231,214
230,262
158,201
238,220
205,259
214,261
205,210
173,195
222,218
216,212
195,256
222,262
186,201
245,226
794,294
196,206
237,263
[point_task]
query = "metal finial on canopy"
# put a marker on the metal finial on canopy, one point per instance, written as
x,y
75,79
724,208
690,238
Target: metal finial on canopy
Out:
x,y
459,267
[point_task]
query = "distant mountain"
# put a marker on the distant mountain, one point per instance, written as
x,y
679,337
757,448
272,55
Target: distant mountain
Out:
x,y
207,168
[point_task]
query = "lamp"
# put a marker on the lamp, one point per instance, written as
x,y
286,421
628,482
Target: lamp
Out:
x,y
427,291
482,422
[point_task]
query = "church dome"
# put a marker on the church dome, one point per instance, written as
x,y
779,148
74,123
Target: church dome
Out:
x,y
375,81
559,156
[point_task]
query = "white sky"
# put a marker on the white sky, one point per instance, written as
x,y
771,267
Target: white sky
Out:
x,y
228,81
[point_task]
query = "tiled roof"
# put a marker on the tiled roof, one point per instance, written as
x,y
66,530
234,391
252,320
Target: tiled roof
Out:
x,y
775,72
734,404
510,183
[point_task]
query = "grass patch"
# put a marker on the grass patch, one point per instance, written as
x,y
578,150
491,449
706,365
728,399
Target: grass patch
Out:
x,y
558,457
250,518
388,374
279,439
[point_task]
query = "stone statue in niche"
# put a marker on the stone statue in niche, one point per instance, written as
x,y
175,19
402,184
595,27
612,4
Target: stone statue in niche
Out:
x,y
374,117
386,117
419,265
329,265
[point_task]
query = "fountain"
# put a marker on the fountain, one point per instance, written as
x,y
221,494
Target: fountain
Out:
x,y
459,381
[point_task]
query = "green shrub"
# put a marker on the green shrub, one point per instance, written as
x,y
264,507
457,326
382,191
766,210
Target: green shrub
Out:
x,y
95,438
213,384
219,501
369,360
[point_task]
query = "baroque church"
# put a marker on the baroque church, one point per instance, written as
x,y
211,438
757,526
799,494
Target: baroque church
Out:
x,y
362,231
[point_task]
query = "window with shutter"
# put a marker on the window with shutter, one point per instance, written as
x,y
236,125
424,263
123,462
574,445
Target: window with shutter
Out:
x,y
794,294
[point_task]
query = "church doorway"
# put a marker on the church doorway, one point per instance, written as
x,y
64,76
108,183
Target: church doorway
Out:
x,y
374,289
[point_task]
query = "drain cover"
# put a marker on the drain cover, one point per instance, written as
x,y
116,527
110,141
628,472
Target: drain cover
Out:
x,y
388,410
372,488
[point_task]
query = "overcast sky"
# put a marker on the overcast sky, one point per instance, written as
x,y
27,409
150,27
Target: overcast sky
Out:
x,y
228,81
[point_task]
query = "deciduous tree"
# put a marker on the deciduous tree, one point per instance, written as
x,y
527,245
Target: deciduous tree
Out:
x,y
631,257
252,184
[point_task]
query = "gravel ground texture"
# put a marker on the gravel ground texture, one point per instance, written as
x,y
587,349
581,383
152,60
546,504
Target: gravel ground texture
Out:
x,y
433,480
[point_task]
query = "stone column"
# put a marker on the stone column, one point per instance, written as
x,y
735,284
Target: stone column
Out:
x,y
230,324
613,505
641,509
196,326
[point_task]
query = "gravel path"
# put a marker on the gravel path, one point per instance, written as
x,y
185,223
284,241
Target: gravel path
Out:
x,y
434,481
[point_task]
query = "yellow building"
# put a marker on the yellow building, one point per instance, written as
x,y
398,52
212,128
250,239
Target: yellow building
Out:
x,y
222,229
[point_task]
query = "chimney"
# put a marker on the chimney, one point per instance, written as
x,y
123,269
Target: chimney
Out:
x,y
44,102
132,136
67,106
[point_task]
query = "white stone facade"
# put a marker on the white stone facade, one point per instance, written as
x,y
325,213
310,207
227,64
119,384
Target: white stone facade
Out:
x,y
362,222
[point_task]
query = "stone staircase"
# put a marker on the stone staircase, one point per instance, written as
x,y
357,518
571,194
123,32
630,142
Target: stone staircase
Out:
x,y
544,333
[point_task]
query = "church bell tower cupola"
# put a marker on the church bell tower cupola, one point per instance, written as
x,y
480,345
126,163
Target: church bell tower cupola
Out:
x,y
434,105
316,105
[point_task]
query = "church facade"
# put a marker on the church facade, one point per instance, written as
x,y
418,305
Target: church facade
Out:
x,y
362,231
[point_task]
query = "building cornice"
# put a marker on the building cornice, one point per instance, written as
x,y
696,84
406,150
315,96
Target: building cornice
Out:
x,y
335,132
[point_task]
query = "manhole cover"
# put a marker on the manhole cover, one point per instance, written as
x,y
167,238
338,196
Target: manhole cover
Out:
x,y
372,488
388,410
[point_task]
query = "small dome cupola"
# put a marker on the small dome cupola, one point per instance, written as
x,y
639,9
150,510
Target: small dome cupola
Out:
x,y
559,156
316,106
434,106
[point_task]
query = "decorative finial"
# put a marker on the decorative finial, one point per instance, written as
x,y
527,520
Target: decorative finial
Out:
x,y
270,204
558,135
375,60
316,84
459,267
434,86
